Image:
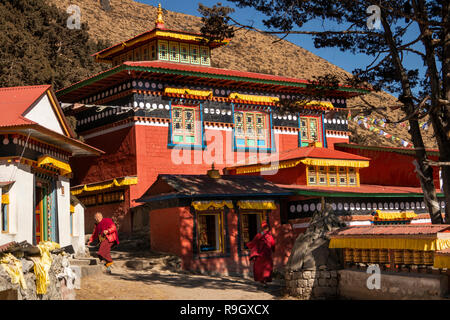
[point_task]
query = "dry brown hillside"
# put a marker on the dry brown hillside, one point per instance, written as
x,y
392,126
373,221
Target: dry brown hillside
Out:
x,y
248,51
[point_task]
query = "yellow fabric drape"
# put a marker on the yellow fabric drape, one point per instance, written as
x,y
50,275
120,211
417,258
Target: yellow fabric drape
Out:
x,y
202,93
13,267
335,162
5,198
105,185
254,98
441,261
395,215
323,104
63,167
257,205
205,205
275,166
72,208
390,243
42,265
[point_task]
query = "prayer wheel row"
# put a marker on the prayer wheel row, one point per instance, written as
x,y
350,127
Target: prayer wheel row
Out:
x,y
382,256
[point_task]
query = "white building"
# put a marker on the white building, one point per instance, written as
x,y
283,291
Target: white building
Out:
x,y
36,144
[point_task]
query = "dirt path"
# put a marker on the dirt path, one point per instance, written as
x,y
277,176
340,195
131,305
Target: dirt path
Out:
x,y
159,282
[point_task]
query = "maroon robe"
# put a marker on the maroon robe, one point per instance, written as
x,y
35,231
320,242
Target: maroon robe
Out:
x,y
261,249
106,242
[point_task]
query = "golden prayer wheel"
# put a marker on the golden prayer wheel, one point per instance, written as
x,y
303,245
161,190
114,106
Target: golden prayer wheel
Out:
x,y
348,255
398,256
356,255
408,257
365,255
428,257
374,256
383,256
417,256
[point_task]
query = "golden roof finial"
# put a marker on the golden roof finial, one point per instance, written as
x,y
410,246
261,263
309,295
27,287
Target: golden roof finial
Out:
x,y
159,23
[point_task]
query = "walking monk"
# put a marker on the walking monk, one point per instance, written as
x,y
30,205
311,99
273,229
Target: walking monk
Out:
x,y
261,249
106,232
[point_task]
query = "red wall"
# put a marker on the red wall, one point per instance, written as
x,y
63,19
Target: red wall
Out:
x,y
389,168
154,157
332,141
166,237
165,230
142,150
119,159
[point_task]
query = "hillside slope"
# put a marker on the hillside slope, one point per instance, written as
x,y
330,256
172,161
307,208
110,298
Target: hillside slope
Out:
x,y
248,51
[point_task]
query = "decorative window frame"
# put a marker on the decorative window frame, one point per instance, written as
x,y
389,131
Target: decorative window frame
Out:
x,y
340,172
163,50
269,145
192,55
5,218
153,50
198,130
205,57
188,53
262,216
319,125
219,231
176,45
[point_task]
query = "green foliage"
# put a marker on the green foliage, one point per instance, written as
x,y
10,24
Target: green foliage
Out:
x,y
36,47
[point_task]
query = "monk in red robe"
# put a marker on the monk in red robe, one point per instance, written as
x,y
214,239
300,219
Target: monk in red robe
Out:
x,y
106,232
261,249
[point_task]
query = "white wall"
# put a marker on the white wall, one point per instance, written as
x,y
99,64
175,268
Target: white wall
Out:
x,y
78,242
44,114
64,211
21,202
21,209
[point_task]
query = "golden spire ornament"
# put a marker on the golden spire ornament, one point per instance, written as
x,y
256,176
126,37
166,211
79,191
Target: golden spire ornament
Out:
x,y
159,23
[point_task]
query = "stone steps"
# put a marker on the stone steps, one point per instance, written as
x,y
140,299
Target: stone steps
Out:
x,y
88,266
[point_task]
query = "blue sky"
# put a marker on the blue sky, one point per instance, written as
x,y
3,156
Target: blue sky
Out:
x,y
345,60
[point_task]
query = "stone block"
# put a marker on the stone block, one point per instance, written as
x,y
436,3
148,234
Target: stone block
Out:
x,y
323,282
333,274
302,283
311,282
306,274
78,275
325,274
324,292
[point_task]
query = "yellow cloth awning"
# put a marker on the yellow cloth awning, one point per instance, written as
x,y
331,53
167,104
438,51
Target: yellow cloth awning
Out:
x,y
64,168
5,198
205,205
441,261
202,93
390,243
336,162
257,204
383,215
254,98
119,182
72,208
323,104
270,167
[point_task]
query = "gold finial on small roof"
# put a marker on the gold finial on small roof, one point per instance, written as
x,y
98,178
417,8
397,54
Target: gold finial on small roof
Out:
x,y
213,173
159,23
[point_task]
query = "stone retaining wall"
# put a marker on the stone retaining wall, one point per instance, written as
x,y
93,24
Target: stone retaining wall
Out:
x,y
56,290
312,284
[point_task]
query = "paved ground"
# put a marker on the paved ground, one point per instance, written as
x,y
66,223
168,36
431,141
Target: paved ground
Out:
x,y
158,281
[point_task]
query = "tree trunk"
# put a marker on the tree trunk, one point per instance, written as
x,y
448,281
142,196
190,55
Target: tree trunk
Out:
x,y
424,171
438,115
